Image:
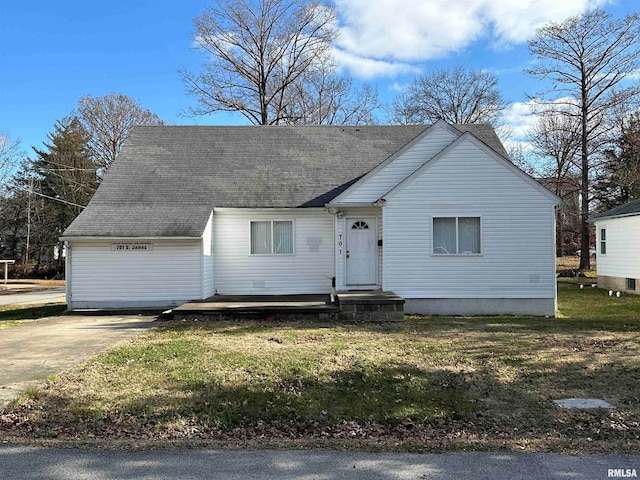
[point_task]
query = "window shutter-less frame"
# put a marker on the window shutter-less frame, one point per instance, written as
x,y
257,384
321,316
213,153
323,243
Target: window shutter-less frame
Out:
x,y
456,236
272,237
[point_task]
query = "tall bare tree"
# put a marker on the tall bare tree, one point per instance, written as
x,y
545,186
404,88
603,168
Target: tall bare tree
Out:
x,y
457,96
322,98
108,120
9,153
256,52
556,140
586,58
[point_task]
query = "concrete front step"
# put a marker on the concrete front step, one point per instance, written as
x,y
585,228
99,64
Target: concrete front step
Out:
x,y
371,307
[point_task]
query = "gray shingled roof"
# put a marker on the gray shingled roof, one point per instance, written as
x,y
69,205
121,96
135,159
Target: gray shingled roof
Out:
x,y
631,208
167,179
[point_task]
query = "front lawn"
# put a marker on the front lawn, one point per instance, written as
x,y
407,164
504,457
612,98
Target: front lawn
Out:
x,y
430,383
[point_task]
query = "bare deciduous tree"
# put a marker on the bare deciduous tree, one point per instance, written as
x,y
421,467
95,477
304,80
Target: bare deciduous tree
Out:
x,y
322,98
586,58
108,120
456,96
556,140
256,52
9,153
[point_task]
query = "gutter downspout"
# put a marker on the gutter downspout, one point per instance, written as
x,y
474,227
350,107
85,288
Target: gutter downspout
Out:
x,y
67,275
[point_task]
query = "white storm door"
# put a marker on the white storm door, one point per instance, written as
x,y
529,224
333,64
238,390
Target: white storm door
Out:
x,y
361,252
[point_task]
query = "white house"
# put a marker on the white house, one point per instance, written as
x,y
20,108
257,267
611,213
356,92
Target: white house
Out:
x,y
436,214
618,247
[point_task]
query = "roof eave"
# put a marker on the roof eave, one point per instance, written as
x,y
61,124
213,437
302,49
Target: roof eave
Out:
x,y
82,238
610,217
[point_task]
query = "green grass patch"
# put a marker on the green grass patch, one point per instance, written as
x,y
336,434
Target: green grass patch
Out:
x,y
25,312
11,316
429,383
595,304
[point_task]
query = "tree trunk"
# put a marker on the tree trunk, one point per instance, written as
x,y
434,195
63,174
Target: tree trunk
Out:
x,y
584,187
559,236
558,192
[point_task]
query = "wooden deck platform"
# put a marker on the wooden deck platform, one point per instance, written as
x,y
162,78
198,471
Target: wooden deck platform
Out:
x,y
351,306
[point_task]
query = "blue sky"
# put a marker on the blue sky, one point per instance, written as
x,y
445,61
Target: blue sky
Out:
x,y
52,53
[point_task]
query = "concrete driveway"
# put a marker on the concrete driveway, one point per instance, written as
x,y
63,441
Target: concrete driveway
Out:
x,y
33,352
40,297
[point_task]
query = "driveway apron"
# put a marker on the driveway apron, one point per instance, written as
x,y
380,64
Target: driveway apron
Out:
x,y
31,353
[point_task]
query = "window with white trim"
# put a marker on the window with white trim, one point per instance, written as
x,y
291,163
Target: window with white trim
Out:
x,y
272,237
456,235
603,241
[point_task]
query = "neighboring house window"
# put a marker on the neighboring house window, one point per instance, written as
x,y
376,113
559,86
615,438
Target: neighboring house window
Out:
x,y
603,241
272,238
456,235
631,284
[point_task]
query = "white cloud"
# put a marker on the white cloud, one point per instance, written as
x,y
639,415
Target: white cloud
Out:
x,y
364,67
397,87
404,31
516,22
519,120
635,75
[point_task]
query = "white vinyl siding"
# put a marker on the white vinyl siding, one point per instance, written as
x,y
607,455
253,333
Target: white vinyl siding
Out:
x,y
167,275
387,177
308,270
207,260
622,258
517,227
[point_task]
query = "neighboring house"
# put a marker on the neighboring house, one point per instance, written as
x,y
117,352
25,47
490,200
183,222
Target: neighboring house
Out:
x,y
436,214
618,247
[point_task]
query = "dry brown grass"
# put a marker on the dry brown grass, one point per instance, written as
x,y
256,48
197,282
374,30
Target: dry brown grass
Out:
x,y
572,262
23,286
36,283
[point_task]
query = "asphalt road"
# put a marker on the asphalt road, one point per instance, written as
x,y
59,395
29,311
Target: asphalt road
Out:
x,y
40,297
29,463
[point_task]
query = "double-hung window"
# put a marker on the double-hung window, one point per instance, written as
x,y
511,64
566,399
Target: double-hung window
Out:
x,y
603,241
456,236
273,237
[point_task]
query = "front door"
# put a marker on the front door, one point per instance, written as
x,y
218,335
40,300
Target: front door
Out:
x,y
361,251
